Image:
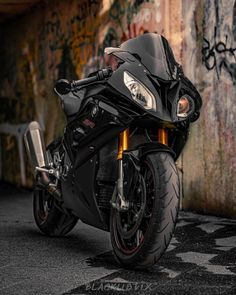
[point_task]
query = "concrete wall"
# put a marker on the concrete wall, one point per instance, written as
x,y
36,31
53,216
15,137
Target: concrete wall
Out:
x,y
57,40
67,38
209,57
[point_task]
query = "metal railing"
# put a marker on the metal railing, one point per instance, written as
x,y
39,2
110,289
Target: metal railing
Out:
x,y
16,130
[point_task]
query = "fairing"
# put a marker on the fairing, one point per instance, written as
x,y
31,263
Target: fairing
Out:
x,y
139,72
98,112
150,59
154,53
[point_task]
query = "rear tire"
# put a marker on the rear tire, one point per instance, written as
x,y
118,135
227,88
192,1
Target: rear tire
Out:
x,y
162,202
48,214
49,217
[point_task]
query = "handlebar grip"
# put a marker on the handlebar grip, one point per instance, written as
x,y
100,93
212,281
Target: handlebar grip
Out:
x,y
64,86
101,75
104,73
81,82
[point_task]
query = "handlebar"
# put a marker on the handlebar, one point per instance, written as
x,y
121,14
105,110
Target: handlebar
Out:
x,y
101,75
64,86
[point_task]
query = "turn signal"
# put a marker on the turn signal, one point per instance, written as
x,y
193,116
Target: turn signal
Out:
x,y
184,107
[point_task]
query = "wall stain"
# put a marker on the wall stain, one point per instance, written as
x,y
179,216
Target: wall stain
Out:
x,y
209,158
62,39
66,39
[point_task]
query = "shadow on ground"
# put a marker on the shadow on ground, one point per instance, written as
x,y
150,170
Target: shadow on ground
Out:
x,y
201,258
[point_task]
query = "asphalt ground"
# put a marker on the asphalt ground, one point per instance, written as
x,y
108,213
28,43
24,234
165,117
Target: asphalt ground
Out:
x,y
201,258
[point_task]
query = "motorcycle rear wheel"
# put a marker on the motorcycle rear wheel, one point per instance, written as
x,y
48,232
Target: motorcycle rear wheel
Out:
x,y
49,217
140,245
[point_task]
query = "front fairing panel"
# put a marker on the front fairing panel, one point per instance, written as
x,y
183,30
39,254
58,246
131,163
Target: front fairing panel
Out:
x,y
140,72
73,100
154,53
149,57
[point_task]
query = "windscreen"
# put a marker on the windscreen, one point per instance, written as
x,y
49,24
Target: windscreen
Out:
x,y
154,52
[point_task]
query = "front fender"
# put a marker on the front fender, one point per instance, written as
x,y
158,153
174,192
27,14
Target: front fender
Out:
x,y
152,147
131,162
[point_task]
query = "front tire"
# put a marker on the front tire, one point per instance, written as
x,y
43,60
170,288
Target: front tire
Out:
x,y
162,193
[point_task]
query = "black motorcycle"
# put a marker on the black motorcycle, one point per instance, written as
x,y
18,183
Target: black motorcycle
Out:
x,y
114,167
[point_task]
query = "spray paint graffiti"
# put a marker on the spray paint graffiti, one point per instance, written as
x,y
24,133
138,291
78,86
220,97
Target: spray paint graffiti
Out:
x,y
219,56
210,60
81,32
64,40
218,53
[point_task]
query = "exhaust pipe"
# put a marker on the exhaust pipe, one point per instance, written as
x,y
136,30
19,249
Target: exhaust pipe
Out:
x,y
35,145
36,151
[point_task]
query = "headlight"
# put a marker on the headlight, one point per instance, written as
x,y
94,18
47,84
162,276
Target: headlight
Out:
x,y
185,106
139,92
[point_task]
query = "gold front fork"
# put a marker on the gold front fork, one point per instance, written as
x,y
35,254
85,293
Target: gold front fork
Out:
x,y
123,146
122,204
123,143
162,136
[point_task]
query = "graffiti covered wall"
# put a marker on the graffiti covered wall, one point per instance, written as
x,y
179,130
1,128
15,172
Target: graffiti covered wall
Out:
x,y
66,39
209,56
59,39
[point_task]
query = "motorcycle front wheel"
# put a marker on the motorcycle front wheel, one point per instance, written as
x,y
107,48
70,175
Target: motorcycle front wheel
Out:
x,y
141,235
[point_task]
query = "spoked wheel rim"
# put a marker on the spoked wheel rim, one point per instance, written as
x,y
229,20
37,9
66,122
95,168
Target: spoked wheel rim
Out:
x,y
130,231
43,205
